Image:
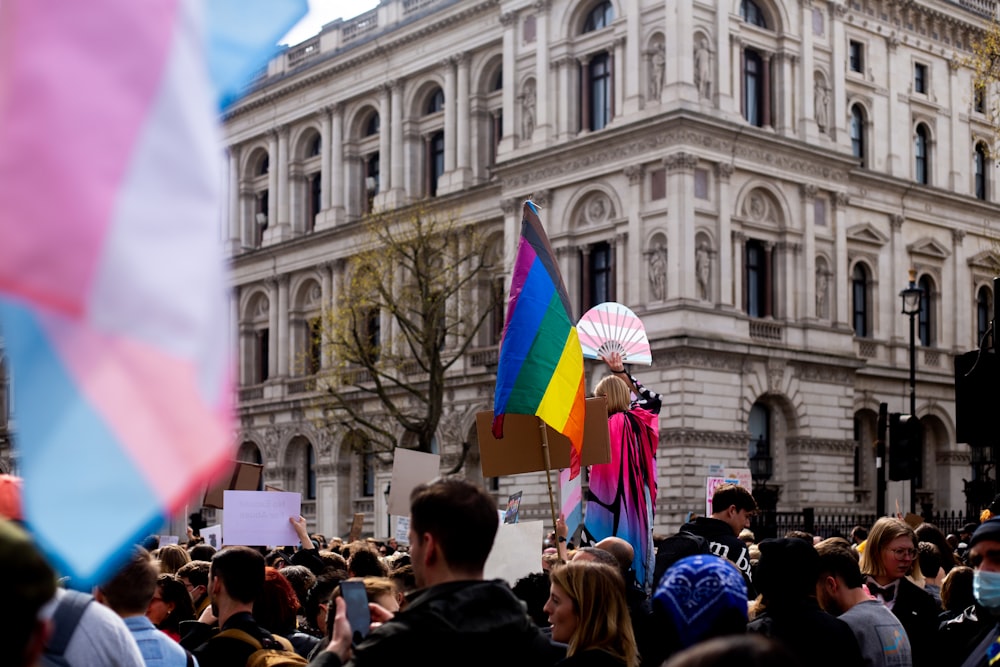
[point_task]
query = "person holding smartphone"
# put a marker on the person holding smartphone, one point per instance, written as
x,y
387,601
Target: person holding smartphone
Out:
x,y
454,616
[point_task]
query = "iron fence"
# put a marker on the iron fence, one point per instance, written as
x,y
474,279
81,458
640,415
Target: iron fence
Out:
x,y
777,524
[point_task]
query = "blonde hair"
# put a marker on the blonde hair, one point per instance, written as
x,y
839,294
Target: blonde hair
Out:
x,y
616,391
172,557
881,535
597,592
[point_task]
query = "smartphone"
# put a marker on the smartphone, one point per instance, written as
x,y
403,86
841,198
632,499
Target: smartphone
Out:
x,y
358,613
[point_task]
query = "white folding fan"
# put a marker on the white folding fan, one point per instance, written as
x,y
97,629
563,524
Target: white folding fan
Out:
x,y
613,327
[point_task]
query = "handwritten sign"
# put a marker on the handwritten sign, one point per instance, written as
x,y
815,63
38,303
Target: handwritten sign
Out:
x,y
260,518
402,530
212,535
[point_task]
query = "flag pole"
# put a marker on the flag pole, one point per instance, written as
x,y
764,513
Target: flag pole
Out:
x,y
548,481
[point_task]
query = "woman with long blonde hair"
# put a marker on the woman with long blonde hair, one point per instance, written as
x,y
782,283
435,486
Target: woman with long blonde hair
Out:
x,y
622,493
588,612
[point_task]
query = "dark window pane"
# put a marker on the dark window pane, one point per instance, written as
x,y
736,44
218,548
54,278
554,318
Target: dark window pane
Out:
x,y
752,14
436,102
753,88
600,91
599,17
859,296
925,326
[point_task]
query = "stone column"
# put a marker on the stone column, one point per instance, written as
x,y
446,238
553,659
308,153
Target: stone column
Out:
x,y
630,278
808,275
678,81
898,266
326,182
509,22
840,278
739,255
385,156
338,188
723,65
896,141
766,75
396,130
736,54
272,179
727,254
807,122
448,65
566,66
838,121
283,230
272,325
327,301
961,287
234,212
464,138
284,340
511,208
961,150
786,120
680,228
617,77
630,83
584,63
543,84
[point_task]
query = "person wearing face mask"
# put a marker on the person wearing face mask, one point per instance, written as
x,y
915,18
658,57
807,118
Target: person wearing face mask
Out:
x,y
984,556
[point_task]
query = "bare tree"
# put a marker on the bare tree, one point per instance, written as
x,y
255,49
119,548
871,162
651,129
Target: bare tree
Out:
x,y
409,310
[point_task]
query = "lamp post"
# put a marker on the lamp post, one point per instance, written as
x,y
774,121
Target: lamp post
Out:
x,y
911,296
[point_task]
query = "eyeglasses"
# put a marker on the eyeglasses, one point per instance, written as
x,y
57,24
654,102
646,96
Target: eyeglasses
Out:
x,y
904,553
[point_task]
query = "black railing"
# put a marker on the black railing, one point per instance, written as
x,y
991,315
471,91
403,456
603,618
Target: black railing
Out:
x,y
777,524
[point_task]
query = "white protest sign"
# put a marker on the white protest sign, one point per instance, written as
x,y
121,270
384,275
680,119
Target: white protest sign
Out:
x,y
260,518
212,535
742,475
402,529
517,551
410,469
168,539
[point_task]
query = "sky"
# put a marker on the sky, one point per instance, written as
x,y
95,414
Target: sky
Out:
x,y
324,11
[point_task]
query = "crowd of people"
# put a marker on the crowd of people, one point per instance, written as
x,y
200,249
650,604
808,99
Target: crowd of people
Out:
x,y
887,595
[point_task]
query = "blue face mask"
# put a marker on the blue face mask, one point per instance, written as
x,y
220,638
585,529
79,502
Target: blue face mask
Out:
x,y
986,588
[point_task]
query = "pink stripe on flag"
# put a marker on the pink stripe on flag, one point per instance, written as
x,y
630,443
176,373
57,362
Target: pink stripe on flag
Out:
x,y
151,401
78,127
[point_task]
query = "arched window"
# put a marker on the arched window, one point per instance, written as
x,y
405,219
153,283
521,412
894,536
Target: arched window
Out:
x,y
858,133
435,162
315,147
859,297
435,102
497,83
925,324
921,156
751,12
599,81
264,166
979,166
754,88
599,17
372,126
984,313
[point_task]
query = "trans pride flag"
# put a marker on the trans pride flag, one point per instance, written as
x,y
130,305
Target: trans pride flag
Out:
x,y
540,371
112,290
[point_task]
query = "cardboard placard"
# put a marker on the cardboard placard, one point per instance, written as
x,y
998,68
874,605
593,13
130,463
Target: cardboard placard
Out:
x,y
245,477
521,448
402,529
517,551
212,535
410,469
261,518
359,520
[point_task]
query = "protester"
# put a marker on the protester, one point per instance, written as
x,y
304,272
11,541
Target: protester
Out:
x,y
746,651
732,507
839,591
621,496
984,557
456,616
587,611
28,583
172,557
194,576
786,579
170,606
276,608
130,593
890,555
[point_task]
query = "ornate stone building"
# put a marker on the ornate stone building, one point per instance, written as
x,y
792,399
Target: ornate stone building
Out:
x,y
754,178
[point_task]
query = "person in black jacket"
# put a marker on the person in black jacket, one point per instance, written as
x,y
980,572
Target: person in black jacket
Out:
x,y
732,507
455,617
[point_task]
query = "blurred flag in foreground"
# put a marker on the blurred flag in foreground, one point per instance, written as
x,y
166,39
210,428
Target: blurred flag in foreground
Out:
x,y
112,288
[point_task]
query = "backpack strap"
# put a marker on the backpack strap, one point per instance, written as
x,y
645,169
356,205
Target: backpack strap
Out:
x,y
66,619
243,636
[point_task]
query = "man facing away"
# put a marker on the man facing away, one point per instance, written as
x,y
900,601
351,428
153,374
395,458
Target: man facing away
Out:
x,y
839,591
732,507
128,594
455,617
28,584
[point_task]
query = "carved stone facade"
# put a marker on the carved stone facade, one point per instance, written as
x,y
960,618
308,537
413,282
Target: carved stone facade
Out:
x,y
770,288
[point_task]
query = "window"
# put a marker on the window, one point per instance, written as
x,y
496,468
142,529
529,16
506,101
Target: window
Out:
x,y
368,473
858,133
856,56
753,88
497,304
435,102
314,346
435,162
759,450
600,274
979,100
859,298
920,78
264,166
925,325
315,147
599,17
984,313
921,166
372,126
262,344
751,13
260,217
599,89
857,450
372,180
315,185
758,278
309,471
979,165
371,334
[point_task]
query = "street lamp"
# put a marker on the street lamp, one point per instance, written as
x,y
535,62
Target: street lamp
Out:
x,y
911,296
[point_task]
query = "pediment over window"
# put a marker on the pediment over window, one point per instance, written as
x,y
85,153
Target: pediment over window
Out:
x,y
866,233
987,260
928,247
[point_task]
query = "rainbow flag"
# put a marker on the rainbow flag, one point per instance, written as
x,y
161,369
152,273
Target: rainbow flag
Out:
x,y
113,300
540,371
